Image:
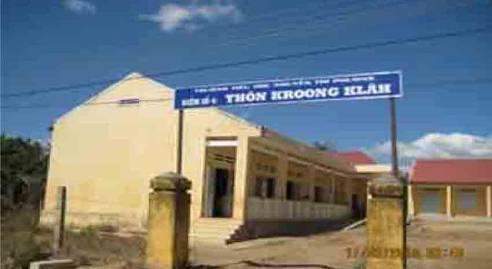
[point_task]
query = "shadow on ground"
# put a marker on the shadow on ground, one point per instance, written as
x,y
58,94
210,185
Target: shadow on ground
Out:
x,y
267,265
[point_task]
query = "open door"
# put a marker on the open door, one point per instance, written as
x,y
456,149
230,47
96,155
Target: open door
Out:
x,y
218,193
218,187
208,193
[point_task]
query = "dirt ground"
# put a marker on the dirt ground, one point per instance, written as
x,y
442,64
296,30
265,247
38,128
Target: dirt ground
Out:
x,y
433,244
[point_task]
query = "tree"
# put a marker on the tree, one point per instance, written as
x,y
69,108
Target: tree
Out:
x,y
24,162
325,146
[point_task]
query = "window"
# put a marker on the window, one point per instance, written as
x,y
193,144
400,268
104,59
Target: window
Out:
x,y
296,191
290,190
318,194
270,188
265,187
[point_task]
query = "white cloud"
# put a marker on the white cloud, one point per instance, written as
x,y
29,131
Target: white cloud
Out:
x,y
436,145
80,6
192,17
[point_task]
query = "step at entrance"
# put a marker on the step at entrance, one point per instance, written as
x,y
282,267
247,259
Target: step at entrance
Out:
x,y
216,230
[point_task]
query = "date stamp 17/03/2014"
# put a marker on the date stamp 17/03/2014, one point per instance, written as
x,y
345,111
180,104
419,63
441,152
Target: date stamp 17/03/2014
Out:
x,y
412,253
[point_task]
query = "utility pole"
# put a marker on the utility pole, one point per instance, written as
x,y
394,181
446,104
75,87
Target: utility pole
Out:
x,y
396,174
394,150
179,154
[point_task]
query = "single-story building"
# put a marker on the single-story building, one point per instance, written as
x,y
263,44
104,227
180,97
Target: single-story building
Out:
x,y
451,187
247,180
364,164
356,157
368,168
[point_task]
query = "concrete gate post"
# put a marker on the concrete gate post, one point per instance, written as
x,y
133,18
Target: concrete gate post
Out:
x,y
168,222
385,224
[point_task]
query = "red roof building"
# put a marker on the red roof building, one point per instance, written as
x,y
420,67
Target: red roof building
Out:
x,y
356,157
452,171
451,187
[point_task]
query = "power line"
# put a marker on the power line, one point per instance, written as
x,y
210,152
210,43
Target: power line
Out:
x,y
318,26
268,16
454,82
314,18
311,24
289,13
304,54
158,100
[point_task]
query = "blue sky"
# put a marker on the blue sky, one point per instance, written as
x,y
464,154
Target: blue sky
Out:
x,y
47,44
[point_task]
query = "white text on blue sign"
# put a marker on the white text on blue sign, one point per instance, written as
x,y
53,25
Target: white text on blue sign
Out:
x,y
366,86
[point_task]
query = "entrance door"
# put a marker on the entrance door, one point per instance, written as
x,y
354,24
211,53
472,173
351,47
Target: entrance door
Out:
x,y
219,193
222,197
356,212
470,201
430,202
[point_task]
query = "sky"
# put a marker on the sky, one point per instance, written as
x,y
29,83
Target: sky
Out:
x,y
446,110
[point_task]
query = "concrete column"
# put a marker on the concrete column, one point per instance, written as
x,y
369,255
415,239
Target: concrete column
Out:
x,y
385,224
488,194
283,167
411,203
449,201
332,196
311,175
168,224
348,191
241,180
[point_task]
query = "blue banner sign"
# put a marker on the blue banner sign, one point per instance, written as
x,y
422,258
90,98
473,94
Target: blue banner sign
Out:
x,y
342,87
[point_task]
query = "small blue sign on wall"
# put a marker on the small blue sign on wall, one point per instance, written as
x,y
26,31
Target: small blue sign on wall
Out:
x,y
341,87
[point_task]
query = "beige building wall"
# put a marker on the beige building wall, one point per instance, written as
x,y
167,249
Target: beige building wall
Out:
x,y
106,153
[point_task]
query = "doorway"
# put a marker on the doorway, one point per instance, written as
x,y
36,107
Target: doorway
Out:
x,y
356,210
222,198
218,193
218,187
432,200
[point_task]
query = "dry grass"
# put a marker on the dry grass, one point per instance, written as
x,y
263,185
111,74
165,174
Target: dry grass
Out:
x,y
23,241
91,247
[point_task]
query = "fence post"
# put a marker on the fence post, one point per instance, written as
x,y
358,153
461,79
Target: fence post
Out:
x,y
386,224
168,223
59,225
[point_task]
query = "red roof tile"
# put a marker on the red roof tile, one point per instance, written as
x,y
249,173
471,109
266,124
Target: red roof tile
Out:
x,y
356,157
461,171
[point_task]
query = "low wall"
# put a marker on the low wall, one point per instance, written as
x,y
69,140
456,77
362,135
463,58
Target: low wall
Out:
x,y
83,219
266,228
272,217
265,209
